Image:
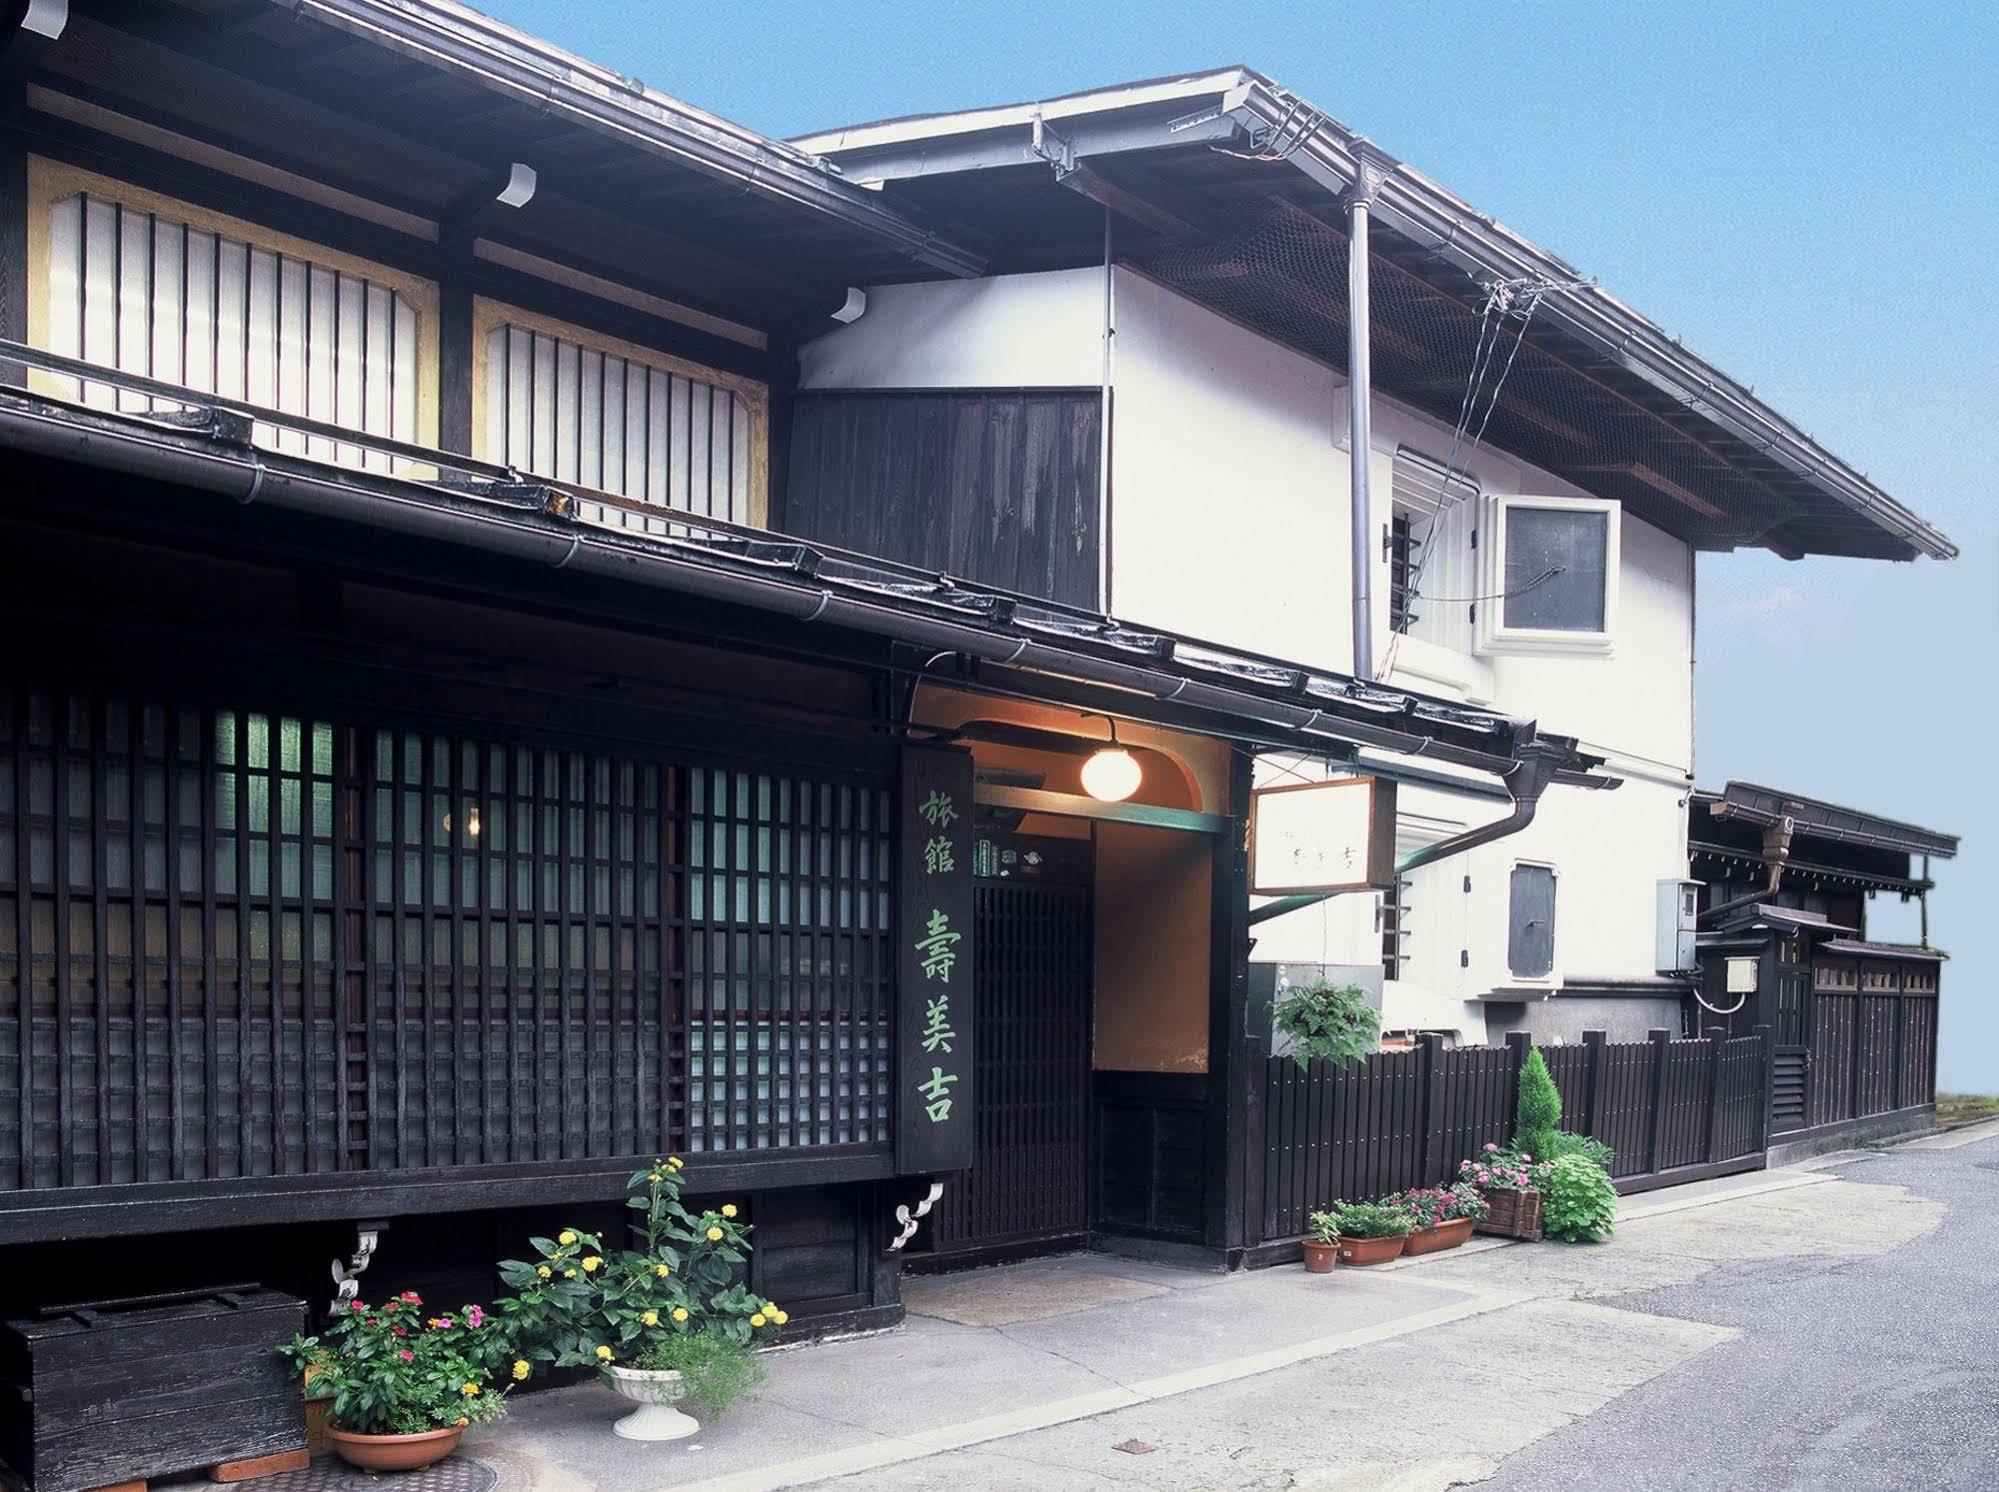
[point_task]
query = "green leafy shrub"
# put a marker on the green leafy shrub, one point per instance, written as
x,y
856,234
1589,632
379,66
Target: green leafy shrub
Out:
x,y
1565,1143
1580,1205
1537,1112
717,1372
1361,1220
1333,1021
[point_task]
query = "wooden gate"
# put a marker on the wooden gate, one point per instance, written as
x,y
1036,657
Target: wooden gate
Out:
x,y
1029,1178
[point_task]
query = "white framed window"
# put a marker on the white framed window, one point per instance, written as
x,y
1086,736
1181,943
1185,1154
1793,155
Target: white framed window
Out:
x,y
1548,575
144,286
1530,922
559,402
1430,575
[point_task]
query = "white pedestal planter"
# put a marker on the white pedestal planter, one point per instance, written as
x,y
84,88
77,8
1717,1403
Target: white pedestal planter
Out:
x,y
655,1394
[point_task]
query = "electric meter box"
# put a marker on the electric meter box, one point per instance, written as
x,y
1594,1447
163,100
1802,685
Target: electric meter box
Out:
x,y
1679,904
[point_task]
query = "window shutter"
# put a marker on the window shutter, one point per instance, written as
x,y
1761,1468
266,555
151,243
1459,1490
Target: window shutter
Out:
x,y
1436,509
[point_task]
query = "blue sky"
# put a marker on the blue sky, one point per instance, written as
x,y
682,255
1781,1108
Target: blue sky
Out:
x,y
1808,194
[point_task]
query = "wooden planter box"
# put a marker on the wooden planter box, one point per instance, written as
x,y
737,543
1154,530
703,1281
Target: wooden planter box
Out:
x,y
125,1390
1515,1214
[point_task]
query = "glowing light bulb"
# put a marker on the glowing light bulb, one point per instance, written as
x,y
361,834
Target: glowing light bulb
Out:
x,y
1111,775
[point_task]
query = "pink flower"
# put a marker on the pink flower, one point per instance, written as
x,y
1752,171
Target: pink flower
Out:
x,y
411,1296
1490,1146
406,1355
444,1321
357,1308
475,1317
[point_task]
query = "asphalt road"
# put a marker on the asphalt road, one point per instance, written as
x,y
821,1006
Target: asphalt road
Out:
x,y
1876,1372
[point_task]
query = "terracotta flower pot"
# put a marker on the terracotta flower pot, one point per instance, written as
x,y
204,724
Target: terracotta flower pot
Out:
x,y
394,1452
1446,1235
1370,1250
1320,1257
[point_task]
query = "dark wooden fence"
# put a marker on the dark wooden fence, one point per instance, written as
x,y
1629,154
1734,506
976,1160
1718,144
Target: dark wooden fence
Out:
x,y
1671,1110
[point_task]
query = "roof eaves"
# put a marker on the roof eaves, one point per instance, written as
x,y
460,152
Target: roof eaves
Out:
x,y
448,35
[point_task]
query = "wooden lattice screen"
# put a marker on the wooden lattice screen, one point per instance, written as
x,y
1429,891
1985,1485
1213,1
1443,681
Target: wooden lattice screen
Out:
x,y
237,943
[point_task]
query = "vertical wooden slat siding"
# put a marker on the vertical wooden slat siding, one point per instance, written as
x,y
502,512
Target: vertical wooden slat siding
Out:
x,y
270,944
998,486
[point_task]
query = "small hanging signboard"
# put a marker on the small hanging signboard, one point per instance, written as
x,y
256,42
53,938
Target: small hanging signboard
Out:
x,y
935,986
1322,836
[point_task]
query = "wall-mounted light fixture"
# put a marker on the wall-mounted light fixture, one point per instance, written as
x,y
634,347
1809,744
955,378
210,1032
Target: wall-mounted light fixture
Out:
x,y
1112,774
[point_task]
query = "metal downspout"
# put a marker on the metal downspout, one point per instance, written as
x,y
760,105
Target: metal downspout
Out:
x,y
1536,769
1776,851
1360,379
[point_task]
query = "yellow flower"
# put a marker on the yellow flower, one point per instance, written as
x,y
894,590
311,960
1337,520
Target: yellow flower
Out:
x,y
674,1163
781,1317
565,1237
680,1313
662,1270
650,1318
728,1209
592,1264
656,1178
545,1272
569,1274
463,1422
521,1370
714,1235
604,1353
757,1319
470,1390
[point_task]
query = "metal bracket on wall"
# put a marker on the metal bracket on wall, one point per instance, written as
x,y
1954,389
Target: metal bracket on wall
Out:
x,y
347,1276
909,1220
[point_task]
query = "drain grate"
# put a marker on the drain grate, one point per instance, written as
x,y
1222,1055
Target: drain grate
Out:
x,y
331,1474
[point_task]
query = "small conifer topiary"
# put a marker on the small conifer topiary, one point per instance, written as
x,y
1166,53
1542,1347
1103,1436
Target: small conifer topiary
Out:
x,y
1537,1112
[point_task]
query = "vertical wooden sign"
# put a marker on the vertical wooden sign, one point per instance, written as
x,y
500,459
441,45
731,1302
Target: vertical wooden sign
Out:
x,y
934,965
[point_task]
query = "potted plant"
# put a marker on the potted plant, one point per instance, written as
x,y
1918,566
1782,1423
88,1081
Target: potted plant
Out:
x,y
1332,1022
1322,1246
1368,1232
1508,1182
401,1386
666,1321
1443,1215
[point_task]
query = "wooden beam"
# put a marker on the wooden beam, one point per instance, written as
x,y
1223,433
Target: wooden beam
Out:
x,y
1151,203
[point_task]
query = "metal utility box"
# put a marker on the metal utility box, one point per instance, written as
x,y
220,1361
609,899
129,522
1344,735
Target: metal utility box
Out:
x,y
115,1391
1679,905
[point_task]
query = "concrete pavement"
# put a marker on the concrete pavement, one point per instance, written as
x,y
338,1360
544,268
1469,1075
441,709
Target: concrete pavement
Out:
x,y
1426,1374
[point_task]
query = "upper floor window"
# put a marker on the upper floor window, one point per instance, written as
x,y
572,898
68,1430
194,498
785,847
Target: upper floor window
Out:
x,y
1429,550
1551,575
162,290
578,408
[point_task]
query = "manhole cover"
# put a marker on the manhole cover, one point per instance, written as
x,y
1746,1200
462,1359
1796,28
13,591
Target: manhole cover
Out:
x,y
331,1474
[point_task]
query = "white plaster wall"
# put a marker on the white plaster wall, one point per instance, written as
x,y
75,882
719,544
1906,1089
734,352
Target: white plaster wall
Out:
x,y
1225,521
1229,521
1013,331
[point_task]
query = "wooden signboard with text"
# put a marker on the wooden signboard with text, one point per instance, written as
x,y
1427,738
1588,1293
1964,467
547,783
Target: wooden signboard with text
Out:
x,y
1311,837
934,985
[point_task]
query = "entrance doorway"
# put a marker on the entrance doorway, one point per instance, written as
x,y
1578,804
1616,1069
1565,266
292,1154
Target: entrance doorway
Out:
x,y
1028,1186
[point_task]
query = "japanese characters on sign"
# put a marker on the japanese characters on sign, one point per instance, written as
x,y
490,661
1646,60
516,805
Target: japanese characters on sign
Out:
x,y
934,1065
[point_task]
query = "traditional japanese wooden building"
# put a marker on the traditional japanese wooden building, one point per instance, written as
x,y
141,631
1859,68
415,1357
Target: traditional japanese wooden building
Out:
x,y
1784,944
427,780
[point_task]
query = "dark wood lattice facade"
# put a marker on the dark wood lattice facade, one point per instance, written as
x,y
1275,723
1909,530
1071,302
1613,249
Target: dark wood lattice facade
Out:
x,y
249,943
